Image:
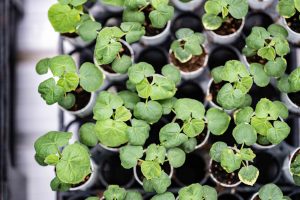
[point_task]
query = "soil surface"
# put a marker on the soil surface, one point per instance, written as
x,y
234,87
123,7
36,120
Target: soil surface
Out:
x,y
229,26
124,51
294,22
295,98
192,65
82,98
222,176
256,59
150,30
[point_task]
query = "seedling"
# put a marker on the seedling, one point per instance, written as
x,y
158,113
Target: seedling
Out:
x,y
65,82
72,164
68,17
295,169
197,192
232,159
266,49
262,125
290,83
271,191
288,8
218,12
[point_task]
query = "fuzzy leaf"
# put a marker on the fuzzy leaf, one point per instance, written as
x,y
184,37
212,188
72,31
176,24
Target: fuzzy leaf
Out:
x,y
217,121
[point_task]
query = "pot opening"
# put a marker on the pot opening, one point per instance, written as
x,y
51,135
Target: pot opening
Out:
x,y
220,55
294,22
191,90
154,132
229,196
187,20
269,92
82,99
150,30
257,19
222,176
295,98
166,167
229,26
157,57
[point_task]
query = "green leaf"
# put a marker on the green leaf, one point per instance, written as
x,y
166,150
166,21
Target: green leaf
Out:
x,y
42,66
230,98
134,31
87,134
247,154
121,65
88,30
297,5
189,108
122,114
184,33
217,74
50,92
133,16
162,88
159,184
211,22
160,17
216,150
217,121
138,72
168,105
74,165
130,99
164,196
91,77
270,191
260,77
73,2
267,53
276,68
230,161
111,133
150,112
144,89
282,109
151,169
172,73
63,18
278,133
62,64
286,8
114,192
138,132
133,195
194,127
283,84
69,81
213,7
190,145
244,134
248,175
176,157
266,108
209,193
245,84
51,159
282,46
129,156
57,185
261,125
294,79
257,37
67,101
156,153
244,115
238,9
170,135
50,143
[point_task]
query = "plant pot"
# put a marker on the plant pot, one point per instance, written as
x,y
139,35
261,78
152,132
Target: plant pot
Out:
x,y
192,69
226,39
91,181
220,54
116,76
260,19
155,56
157,39
187,20
295,195
154,131
270,92
111,171
293,37
190,89
86,110
138,174
229,184
293,107
188,6
202,139
229,196
255,195
260,4
194,170
287,165
269,167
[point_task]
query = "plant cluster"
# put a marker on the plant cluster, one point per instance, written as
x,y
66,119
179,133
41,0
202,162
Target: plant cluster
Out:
x,y
290,83
187,45
288,8
295,169
270,46
271,191
68,17
219,11
72,164
65,79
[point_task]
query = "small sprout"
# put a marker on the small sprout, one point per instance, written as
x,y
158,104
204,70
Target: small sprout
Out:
x,y
218,11
197,191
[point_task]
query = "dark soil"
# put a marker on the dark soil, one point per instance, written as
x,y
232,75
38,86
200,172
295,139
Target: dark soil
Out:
x,y
295,98
256,59
294,22
81,183
150,30
256,198
214,90
229,26
192,65
222,176
124,51
191,90
70,35
82,99
154,132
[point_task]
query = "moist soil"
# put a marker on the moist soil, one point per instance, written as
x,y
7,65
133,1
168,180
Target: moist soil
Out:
x,y
83,182
294,22
256,59
222,176
295,98
193,64
214,90
150,30
124,51
229,26
82,98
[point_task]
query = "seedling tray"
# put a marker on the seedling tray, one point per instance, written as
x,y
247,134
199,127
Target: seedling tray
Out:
x,y
195,169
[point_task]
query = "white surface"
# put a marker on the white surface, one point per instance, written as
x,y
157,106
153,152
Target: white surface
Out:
x,y
36,39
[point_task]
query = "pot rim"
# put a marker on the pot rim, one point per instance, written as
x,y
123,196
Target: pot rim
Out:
x,y
232,34
165,31
287,27
291,158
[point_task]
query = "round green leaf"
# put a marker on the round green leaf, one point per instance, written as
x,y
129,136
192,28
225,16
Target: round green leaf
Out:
x,y
87,134
189,108
121,65
151,169
67,101
248,175
176,157
244,134
114,192
42,66
194,127
217,121
170,135
50,92
156,153
130,99
230,161
91,78
129,156
278,133
260,76
172,73
138,72
216,151
270,191
150,112
211,22
244,115
164,196
138,132
276,68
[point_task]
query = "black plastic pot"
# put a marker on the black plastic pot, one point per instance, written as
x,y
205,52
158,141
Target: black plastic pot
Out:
x,y
194,170
257,19
269,168
112,173
190,89
269,92
226,137
155,56
229,196
187,20
220,55
295,195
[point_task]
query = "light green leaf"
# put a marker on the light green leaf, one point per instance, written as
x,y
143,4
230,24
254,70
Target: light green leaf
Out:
x,y
176,157
244,115
67,101
138,72
194,127
69,81
130,99
260,76
276,68
230,161
244,134
88,30
261,125
138,132
42,66
114,192
170,135
189,108
217,121
121,65
156,153
278,133
216,150
87,134
150,112
211,22
151,169
51,159
129,156
91,78
248,175
122,114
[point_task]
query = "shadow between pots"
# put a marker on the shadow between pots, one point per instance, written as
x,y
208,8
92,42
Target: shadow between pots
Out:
x,y
229,196
220,55
187,20
190,89
154,132
256,19
294,137
269,92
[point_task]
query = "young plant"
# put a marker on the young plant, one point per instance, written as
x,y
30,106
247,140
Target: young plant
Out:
x,y
232,159
219,11
187,45
290,83
238,83
271,191
110,50
197,192
65,81
295,169
68,17
72,164
288,8
268,47
164,196
263,125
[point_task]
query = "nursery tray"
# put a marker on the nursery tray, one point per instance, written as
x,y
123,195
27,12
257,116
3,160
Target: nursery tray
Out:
x,y
111,172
